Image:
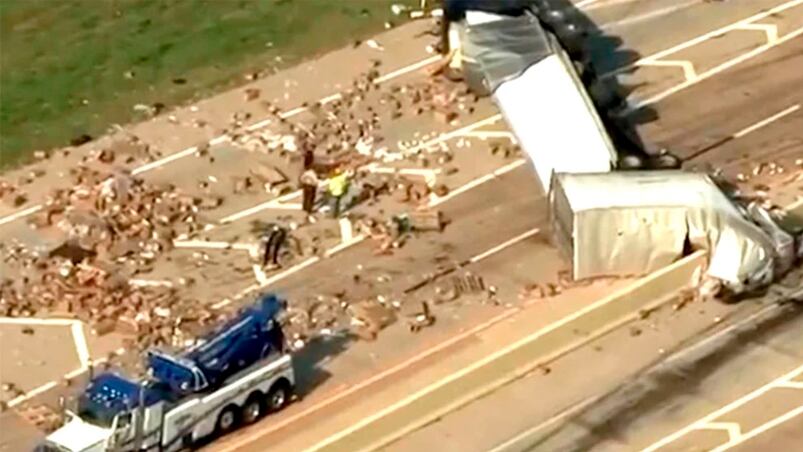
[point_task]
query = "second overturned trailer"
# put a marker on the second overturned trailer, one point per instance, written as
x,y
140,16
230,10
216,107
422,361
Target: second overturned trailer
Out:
x,y
646,220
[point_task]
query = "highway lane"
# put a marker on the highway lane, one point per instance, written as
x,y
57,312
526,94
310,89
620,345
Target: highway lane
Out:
x,y
694,123
787,436
695,93
657,40
753,398
742,122
536,405
771,79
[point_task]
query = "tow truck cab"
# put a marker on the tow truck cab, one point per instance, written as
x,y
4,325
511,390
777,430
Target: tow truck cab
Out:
x,y
239,367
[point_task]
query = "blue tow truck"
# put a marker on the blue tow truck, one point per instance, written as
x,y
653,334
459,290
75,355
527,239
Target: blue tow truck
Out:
x,y
231,377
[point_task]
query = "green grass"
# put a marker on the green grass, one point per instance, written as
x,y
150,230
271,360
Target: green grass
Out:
x,y
62,62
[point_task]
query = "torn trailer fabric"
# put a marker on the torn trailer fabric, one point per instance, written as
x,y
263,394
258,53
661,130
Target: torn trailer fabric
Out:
x,y
633,223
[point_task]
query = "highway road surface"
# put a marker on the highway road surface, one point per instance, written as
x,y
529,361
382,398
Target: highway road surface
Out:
x,y
718,83
737,386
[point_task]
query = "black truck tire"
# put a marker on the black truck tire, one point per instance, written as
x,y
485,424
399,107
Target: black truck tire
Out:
x,y
279,396
227,420
254,408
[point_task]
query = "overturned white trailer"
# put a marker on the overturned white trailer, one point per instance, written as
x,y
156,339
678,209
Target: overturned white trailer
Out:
x,y
537,89
632,223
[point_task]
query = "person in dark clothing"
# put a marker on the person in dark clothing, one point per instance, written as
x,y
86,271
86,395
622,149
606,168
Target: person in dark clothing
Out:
x,y
276,238
309,189
309,159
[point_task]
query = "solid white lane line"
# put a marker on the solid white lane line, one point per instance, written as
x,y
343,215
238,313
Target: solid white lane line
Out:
x,y
733,429
705,37
165,160
346,230
502,246
277,203
503,447
407,69
767,121
456,133
203,244
476,182
248,212
259,274
714,34
483,135
223,138
149,283
414,66
343,246
32,393
20,214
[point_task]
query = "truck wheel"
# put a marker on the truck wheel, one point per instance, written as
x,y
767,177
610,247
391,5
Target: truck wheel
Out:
x,y
278,397
227,420
631,163
666,161
253,409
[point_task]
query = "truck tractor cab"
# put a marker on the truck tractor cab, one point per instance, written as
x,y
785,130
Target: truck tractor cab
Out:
x,y
113,414
185,394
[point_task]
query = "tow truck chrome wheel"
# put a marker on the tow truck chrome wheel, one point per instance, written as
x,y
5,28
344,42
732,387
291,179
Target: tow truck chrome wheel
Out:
x,y
253,409
278,397
227,420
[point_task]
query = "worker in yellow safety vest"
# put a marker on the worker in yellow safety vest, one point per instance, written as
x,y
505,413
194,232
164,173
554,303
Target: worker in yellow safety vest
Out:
x,y
337,187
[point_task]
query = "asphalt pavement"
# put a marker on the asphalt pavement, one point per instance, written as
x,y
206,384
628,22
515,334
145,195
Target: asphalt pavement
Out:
x,y
491,213
723,122
750,398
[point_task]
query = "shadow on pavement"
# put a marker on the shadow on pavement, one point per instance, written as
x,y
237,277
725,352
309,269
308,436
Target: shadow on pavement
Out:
x,y
599,53
308,362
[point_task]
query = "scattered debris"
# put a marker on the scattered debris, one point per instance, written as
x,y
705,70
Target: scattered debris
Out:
x,y
369,318
42,416
251,94
372,43
421,319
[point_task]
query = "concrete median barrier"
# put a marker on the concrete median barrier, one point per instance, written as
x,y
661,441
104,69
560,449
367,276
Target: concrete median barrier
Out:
x,y
522,355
